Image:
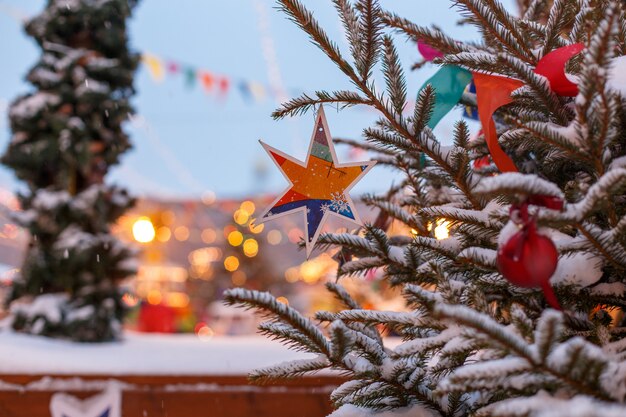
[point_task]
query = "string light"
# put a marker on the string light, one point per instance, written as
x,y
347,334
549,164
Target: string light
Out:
x,y
442,230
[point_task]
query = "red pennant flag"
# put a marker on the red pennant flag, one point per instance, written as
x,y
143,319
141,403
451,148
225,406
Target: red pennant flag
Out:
x,y
552,66
224,86
493,92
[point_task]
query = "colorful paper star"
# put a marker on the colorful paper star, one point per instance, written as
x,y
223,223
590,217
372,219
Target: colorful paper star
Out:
x,y
319,186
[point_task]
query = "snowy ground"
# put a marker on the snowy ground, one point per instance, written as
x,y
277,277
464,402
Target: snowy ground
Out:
x,y
145,354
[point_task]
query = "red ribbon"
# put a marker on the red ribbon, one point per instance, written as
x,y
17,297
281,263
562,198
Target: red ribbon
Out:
x,y
493,92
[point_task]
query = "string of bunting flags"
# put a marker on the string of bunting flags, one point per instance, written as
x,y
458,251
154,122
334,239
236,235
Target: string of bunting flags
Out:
x,y
253,91
211,82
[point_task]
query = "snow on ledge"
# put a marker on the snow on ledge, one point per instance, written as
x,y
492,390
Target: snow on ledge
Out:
x,y
141,354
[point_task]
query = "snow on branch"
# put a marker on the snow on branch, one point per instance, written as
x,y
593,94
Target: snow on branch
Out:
x,y
290,369
597,194
265,302
486,325
515,183
382,317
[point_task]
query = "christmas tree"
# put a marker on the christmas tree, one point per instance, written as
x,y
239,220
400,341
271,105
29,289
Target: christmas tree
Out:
x,y
66,135
495,327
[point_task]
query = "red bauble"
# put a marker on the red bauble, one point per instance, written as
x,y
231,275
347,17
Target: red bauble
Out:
x,y
528,259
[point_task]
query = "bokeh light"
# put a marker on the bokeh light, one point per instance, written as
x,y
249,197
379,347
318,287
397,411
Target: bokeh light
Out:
x,y
256,228
248,207
241,217
294,235
154,297
181,233
163,234
292,274
235,238
274,237
310,271
250,248
143,230
208,197
205,333
208,236
177,299
231,263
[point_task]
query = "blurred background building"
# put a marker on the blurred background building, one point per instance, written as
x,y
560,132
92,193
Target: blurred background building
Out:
x,y
190,251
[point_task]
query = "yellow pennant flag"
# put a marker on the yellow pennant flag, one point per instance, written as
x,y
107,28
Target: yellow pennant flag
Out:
x,y
155,66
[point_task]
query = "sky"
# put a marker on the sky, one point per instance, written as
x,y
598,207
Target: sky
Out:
x,y
188,142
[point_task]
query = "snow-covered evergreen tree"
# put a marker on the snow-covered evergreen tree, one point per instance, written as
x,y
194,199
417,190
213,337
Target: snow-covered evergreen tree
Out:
x,y
66,135
475,344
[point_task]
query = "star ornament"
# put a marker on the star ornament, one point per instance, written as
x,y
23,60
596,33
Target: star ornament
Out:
x,y
318,187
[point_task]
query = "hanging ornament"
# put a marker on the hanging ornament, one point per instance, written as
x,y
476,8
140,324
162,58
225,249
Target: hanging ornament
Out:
x,y
319,186
528,258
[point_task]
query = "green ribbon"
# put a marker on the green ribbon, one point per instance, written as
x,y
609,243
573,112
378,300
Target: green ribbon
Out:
x,y
449,83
